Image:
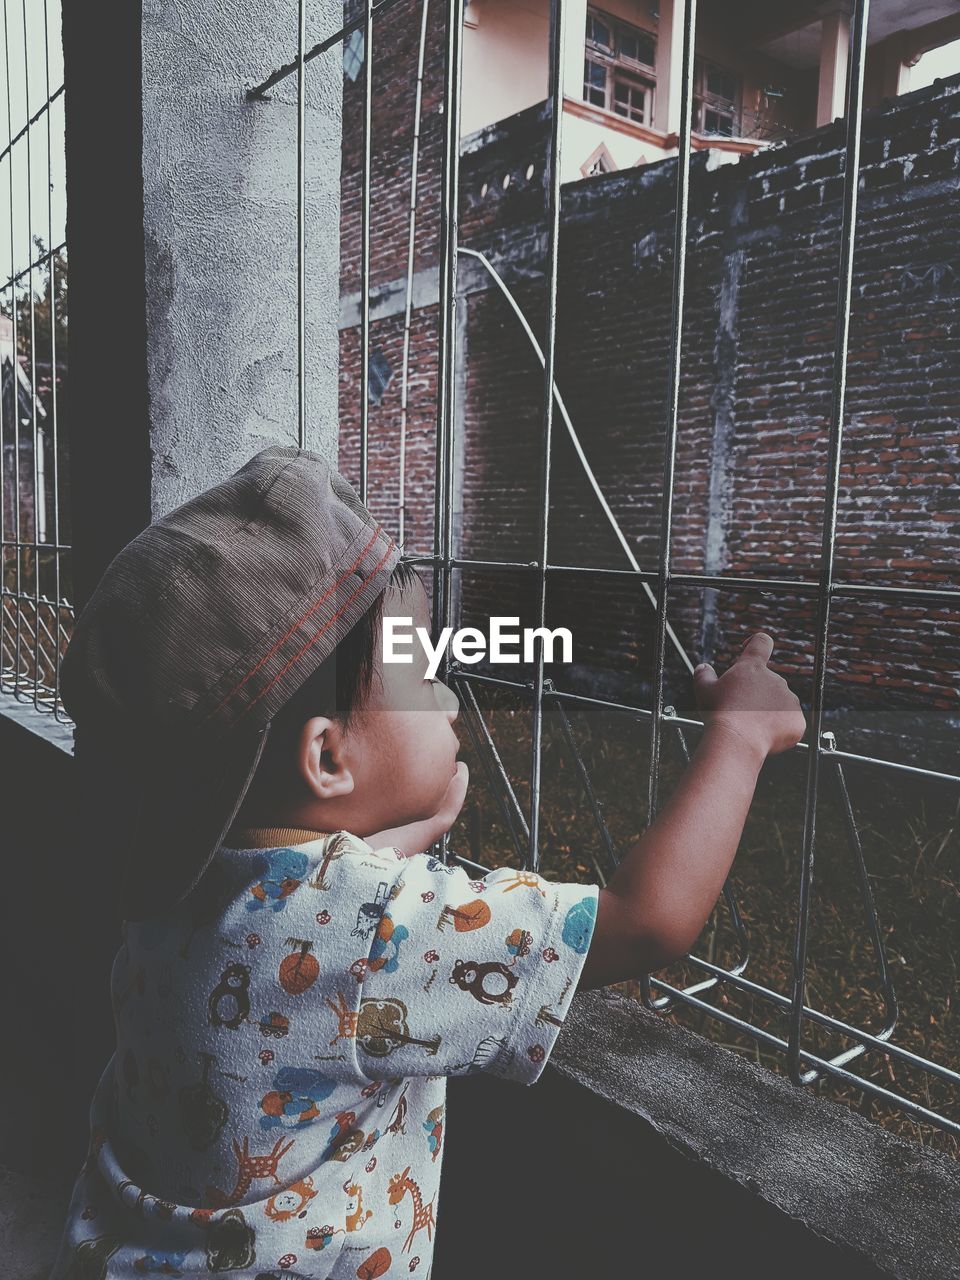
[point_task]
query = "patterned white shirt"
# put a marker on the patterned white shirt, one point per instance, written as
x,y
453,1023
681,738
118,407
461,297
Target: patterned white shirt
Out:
x,y
275,1105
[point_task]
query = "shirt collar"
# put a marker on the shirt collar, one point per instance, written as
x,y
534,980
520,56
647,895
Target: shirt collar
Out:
x,y
270,837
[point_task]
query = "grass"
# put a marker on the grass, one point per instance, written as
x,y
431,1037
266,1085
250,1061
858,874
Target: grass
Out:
x,y
910,833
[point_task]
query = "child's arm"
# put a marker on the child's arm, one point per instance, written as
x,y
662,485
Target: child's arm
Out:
x,y
663,891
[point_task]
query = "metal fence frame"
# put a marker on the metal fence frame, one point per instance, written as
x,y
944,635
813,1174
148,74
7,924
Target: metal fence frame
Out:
x,y
34,626
822,752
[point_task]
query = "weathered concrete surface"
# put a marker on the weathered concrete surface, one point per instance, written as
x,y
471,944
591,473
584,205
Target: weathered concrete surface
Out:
x,y
848,1180
220,232
31,1219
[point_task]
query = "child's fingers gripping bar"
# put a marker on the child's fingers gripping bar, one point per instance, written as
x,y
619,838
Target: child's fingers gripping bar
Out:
x,y
759,645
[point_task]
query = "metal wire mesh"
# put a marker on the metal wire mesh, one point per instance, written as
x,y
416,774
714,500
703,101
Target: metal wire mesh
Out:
x,y
822,756
36,616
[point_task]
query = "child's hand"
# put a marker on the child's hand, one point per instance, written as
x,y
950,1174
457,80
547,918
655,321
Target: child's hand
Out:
x,y
751,700
656,903
417,836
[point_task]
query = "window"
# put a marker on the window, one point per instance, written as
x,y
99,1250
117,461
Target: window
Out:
x,y
595,83
599,34
716,101
631,98
637,46
615,53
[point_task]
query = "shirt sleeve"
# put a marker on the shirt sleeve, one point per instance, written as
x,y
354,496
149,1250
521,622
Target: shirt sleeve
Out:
x,y
467,975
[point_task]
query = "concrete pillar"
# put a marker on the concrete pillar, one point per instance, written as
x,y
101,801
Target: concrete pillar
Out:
x,y
183,253
666,111
894,63
574,35
220,230
834,52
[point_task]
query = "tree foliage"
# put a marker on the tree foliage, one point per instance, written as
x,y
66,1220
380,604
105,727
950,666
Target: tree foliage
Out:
x,y
53,269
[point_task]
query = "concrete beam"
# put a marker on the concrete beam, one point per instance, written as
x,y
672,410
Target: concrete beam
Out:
x,y
666,110
894,63
846,1179
834,55
521,262
933,36
574,35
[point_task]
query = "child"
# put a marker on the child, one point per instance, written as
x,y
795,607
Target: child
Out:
x,y
297,978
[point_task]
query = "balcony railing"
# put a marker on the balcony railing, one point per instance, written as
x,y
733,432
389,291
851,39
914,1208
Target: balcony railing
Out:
x,y
36,614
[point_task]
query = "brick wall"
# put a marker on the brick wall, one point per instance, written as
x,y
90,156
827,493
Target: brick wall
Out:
x,y
755,397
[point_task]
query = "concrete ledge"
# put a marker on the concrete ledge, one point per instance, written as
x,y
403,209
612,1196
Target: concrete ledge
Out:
x,y
41,724
847,1180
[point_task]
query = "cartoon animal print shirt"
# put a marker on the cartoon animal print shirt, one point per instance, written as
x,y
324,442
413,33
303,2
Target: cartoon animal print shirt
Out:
x,y
275,1105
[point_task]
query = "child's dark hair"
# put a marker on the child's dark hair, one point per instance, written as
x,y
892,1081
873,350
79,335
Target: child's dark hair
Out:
x,y
338,688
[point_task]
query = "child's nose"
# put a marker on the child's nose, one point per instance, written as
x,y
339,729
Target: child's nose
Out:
x,y
448,701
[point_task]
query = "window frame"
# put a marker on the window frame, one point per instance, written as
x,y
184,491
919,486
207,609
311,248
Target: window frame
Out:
x,y
618,68
705,101
633,83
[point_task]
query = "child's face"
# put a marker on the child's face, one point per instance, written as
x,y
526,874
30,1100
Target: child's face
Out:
x,y
393,765
403,748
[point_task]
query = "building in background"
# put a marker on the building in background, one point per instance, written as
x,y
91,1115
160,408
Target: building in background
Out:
x,y
757,367
764,72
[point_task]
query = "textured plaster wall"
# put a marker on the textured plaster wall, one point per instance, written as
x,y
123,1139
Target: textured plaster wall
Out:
x,y
220,233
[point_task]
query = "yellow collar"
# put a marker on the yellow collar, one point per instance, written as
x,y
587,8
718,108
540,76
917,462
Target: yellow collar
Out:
x,y
270,837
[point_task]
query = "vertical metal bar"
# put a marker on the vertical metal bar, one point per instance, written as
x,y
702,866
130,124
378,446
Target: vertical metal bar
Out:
x,y
447,322
891,1008
35,443
673,393
499,782
58,605
447,315
15,368
3,513
301,230
854,115
3,491
411,251
549,366
365,244
593,800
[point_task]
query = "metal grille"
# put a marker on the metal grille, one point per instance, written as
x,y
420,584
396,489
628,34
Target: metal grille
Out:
x,y
36,617
822,757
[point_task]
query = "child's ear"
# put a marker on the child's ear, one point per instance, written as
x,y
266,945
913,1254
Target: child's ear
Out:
x,y
321,761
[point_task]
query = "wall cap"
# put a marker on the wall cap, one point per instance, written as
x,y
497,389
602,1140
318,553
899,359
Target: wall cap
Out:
x,y
41,724
844,1177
